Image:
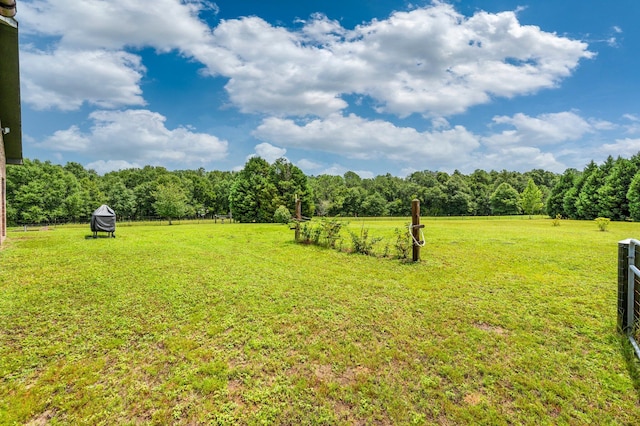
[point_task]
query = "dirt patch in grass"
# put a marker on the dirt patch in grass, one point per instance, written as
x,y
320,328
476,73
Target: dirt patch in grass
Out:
x,y
473,398
491,328
42,419
348,377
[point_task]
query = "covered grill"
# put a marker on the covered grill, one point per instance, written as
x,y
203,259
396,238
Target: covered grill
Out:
x,y
103,219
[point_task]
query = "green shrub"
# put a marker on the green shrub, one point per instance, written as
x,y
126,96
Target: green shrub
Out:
x,y
282,215
310,233
556,220
362,244
602,223
331,230
403,243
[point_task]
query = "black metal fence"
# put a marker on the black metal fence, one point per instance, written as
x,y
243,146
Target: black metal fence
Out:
x,y
629,291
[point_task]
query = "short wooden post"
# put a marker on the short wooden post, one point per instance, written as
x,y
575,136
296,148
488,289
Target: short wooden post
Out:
x,y
298,217
415,229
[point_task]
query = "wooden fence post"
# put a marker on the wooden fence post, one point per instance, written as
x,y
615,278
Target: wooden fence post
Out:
x,y
415,229
298,217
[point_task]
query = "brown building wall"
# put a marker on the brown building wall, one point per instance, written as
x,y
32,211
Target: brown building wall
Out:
x,y
3,191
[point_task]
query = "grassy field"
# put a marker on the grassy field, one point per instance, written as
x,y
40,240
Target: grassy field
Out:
x,y
503,322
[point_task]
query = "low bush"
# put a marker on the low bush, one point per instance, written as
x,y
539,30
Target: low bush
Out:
x,y
362,243
602,223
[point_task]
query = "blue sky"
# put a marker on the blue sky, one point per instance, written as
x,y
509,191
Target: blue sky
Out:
x,y
372,87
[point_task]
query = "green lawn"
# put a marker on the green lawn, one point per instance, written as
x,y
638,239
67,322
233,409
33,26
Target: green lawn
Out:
x,y
504,321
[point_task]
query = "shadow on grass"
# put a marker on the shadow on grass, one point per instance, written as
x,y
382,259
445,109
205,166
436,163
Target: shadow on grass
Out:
x,y
633,363
91,237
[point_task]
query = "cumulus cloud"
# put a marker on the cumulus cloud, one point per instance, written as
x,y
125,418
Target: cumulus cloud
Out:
x,y
523,158
65,79
269,152
309,166
356,137
340,170
545,129
102,167
633,125
430,60
138,136
86,59
626,147
82,24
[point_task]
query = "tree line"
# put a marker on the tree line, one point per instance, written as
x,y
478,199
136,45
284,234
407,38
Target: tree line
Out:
x,y
42,192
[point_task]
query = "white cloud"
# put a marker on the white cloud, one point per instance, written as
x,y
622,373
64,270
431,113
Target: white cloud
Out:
x,y
340,170
91,24
87,61
633,127
545,129
430,60
308,166
269,152
102,167
522,158
626,148
597,124
356,137
64,79
138,136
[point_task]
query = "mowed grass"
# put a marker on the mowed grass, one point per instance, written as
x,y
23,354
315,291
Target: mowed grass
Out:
x,y
502,322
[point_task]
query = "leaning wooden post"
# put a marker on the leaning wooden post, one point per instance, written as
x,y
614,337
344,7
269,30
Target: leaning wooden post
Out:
x,y
415,229
298,217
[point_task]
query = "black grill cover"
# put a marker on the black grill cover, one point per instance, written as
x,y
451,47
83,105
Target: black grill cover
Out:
x,y
103,219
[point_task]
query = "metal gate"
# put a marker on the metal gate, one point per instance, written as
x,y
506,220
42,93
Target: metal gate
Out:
x,y
629,291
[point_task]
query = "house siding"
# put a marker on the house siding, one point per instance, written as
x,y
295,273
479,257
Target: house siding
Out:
x,y
3,191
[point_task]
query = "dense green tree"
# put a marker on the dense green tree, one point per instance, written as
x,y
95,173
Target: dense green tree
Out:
x,y
221,186
570,200
613,202
352,205
516,180
121,199
555,202
329,193
45,192
73,207
373,205
434,201
459,198
480,184
531,199
145,197
633,196
588,201
291,183
352,180
79,171
253,194
171,201
505,200
37,192
386,185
